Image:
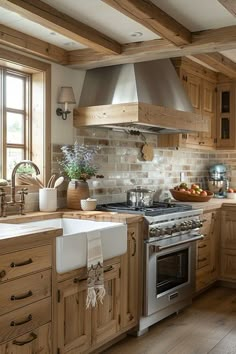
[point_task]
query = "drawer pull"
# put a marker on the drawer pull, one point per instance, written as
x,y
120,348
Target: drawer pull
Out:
x,y
203,246
28,319
13,264
134,251
202,259
20,297
77,280
33,337
108,269
2,274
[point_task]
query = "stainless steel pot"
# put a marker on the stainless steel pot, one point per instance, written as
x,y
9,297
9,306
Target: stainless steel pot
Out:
x,y
139,197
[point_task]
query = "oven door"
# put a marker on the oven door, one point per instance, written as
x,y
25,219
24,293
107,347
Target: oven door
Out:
x,y
170,274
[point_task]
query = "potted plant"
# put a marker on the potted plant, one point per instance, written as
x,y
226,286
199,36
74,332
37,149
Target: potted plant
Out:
x,y
78,165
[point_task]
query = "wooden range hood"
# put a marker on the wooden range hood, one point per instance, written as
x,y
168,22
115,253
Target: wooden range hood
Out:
x,y
147,96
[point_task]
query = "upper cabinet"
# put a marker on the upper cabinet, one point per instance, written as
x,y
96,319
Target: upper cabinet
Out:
x,y
226,116
200,85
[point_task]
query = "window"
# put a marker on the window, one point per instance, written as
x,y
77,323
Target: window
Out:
x,y
15,116
23,118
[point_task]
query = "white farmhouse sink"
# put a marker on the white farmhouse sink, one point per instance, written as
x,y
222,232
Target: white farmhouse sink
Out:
x,y
71,248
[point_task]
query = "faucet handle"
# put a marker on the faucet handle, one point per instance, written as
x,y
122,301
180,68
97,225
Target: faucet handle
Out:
x,y
23,191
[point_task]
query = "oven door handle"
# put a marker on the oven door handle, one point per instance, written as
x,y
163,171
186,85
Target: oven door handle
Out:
x,y
158,248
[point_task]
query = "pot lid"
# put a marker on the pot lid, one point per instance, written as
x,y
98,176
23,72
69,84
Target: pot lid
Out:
x,y
140,189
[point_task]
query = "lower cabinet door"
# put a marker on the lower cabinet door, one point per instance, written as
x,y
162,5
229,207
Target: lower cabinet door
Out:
x,y
129,279
37,341
74,320
106,316
228,264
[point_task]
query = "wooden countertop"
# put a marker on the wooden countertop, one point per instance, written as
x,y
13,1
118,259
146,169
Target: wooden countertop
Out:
x,y
212,204
69,213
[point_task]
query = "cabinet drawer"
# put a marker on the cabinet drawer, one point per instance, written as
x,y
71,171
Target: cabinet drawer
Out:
x,y
203,253
23,291
37,341
16,264
25,319
205,277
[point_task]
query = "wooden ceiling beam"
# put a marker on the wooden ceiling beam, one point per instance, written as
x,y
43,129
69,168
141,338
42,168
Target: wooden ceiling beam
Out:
x,y
153,18
67,26
32,45
208,41
219,62
230,5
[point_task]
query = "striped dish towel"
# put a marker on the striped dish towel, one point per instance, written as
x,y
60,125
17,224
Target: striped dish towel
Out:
x,y
96,290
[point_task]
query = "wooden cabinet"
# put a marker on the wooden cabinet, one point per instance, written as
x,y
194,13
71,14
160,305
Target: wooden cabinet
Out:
x,y
81,329
207,259
226,97
200,86
26,301
36,341
228,244
106,316
130,277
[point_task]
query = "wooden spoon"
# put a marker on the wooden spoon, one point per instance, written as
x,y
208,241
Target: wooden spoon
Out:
x,y
58,182
51,181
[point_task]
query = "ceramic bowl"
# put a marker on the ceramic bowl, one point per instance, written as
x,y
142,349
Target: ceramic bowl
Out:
x,y
88,204
231,195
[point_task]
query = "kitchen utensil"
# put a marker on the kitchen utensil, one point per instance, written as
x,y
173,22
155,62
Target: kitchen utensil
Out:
x,y
58,182
185,197
29,180
40,183
139,197
51,181
88,204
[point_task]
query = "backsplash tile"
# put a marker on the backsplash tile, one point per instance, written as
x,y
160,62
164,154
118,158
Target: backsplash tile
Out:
x,y
120,161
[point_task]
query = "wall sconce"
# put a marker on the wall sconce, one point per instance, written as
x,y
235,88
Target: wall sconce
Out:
x,y
66,96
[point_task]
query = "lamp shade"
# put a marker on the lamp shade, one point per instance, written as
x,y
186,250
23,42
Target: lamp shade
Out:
x,y
66,95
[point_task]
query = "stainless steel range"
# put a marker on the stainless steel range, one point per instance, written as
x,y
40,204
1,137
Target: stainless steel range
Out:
x,y
170,239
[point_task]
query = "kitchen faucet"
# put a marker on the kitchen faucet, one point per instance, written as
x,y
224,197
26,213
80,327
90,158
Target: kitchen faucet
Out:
x,y
23,191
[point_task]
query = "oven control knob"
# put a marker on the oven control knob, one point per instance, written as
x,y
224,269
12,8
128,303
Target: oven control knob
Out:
x,y
174,229
183,226
152,232
178,228
168,230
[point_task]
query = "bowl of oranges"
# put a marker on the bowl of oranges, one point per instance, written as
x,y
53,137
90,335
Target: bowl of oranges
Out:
x,y
194,193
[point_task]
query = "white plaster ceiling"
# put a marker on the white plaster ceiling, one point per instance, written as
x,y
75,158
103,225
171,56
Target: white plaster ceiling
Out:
x,y
194,14
197,15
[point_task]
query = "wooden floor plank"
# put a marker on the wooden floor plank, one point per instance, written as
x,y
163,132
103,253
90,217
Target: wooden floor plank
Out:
x,y
199,329
227,345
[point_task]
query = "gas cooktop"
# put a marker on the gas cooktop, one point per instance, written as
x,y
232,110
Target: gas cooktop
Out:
x,y
156,209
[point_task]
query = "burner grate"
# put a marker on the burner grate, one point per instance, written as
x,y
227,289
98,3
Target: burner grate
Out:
x,y
158,208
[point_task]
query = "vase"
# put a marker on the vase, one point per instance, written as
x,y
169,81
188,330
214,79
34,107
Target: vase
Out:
x,y
77,190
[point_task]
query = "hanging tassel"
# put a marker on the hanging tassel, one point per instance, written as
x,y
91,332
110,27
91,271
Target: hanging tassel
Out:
x,y
91,298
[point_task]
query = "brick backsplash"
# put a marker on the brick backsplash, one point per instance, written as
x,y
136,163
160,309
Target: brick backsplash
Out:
x,y
120,161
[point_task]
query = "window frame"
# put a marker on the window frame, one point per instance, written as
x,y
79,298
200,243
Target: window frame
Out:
x,y
27,116
41,105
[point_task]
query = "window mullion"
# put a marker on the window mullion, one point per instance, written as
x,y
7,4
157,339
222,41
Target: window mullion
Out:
x,y
4,128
